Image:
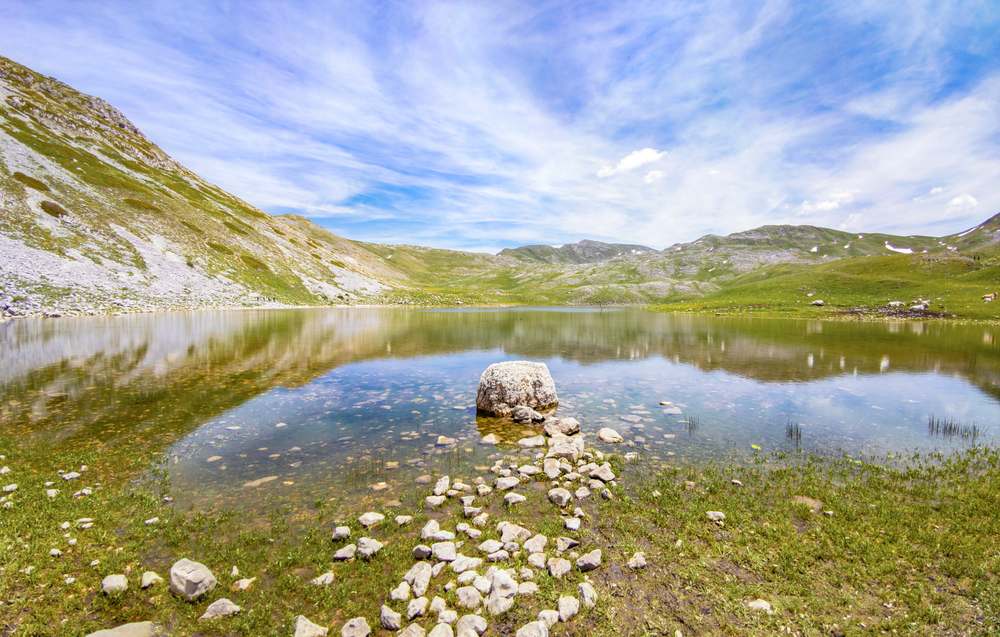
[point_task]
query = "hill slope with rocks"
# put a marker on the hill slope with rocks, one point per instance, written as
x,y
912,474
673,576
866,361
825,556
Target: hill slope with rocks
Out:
x,y
95,218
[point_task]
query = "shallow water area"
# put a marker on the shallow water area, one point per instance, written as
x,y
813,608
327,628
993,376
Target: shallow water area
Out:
x,y
351,405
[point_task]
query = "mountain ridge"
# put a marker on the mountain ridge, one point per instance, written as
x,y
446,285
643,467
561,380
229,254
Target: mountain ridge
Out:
x,y
96,218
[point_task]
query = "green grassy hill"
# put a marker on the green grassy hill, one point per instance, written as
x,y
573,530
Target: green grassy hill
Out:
x,y
97,218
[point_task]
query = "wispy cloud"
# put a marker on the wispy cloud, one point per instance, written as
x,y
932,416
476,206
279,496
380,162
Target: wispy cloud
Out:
x,y
479,126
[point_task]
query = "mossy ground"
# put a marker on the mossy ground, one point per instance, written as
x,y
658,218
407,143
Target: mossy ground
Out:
x,y
907,550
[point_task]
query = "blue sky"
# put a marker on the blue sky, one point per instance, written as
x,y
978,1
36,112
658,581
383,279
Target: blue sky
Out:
x,y
478,126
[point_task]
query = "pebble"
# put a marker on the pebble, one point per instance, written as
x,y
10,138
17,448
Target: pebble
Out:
x,y
759,604
434,501
345,553
572,524
149,578
114,584
369,547
403,520
558,567
244,584
341,532
638,560
510,498
715,516
55,553
504,484
220,608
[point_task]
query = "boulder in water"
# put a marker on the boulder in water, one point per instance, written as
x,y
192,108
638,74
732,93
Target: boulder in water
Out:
x,y
504,386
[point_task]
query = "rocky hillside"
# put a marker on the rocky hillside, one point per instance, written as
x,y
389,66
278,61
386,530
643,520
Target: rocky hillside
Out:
x,y
585,251
95,218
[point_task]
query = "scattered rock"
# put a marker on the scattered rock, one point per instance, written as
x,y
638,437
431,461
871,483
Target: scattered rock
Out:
x,y
564,544
530,443
403,520
565,426
550,617
190,579
512,498
558,567
401,593
521,413
357,627
220,608
245,584
638,560
502,593
442,485
369,547
422,551
390,619
417,607
506,385
469,597
603,473
490,439
512,532
434,501
114,584
568,607
341,532
589,561
572,524
413,630
149,578
346,553
370,519
471,625
534,629
137,629
560,497
323,580
587,594
462,563
418,577
527,588
550,466
441,630
715,516
609,435
536,544
759,604
305,628
444,551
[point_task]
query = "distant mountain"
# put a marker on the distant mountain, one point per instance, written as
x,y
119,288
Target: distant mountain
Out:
x,y
95,218
586,251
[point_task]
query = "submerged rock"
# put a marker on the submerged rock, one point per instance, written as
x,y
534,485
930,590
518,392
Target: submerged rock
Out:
x,y
504,386
609,435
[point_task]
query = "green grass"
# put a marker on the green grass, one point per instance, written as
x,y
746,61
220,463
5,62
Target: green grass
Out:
x,y
908,548
31,182
859,288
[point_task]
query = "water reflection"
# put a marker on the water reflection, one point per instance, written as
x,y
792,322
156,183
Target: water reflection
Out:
x,y
337,400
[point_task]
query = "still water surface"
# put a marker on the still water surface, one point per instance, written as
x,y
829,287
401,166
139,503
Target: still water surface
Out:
x,y
326,403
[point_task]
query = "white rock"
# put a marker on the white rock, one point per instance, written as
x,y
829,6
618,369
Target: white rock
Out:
x,y
417,607
759,604
536,544
502,593
715,516
340,533
549,617
471,623
530,443
503,484
419,577
220,608
513,498
533,629
401,593
469,597
325,579
149,578
441,630
390,619
638,560
190,579
55,553
346,553
369,547
609,435
434,501
403,520
52,493
305,628
357,627
114,584
506,385
72,475
370,519
444,551
587,594
589,561
569,607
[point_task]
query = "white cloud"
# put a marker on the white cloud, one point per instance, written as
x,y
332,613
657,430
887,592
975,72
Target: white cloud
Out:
x,y
632,160
653,175
935,191
853,222
960,204
833,201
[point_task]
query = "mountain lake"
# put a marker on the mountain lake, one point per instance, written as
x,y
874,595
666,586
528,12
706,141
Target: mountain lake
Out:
x,y
300,405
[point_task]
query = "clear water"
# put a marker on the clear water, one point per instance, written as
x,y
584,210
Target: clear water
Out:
x,y
324,402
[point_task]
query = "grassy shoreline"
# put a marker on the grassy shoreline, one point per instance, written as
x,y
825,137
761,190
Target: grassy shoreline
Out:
x,y
906,549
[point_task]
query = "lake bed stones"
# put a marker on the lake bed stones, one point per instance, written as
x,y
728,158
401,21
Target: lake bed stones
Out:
x,y
565,426
607,434
504,386
191,580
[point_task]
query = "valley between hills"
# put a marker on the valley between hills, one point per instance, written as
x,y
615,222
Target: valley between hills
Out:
x,y
96,219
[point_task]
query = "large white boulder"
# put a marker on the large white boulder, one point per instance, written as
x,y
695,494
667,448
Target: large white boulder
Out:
x,y
504,386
